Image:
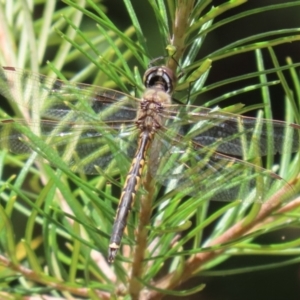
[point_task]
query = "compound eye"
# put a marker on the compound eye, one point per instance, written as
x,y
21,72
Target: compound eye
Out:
x,y
160,74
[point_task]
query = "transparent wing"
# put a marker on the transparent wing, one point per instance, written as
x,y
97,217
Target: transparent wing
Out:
x,y
193,148
191,169
88,126
49,98
83,148
232,133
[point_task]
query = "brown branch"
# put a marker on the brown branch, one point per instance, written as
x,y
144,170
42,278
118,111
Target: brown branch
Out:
x,y
194,264
51,281
135,286
180,27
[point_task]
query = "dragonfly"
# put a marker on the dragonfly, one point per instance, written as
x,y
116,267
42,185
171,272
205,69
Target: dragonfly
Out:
x,y
197,151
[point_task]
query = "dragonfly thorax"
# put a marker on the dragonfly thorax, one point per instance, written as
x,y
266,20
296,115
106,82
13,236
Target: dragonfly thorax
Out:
x,y
151,108
159,83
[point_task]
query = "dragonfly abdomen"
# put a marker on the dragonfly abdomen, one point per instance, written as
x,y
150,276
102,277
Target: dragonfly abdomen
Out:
x,y
128,195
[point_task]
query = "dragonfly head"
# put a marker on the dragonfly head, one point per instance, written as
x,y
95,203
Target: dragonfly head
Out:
x,y
160,77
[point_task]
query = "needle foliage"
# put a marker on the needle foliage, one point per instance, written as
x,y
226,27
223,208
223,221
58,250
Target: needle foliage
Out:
x,y
55,224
